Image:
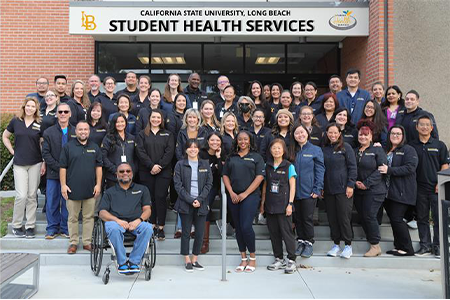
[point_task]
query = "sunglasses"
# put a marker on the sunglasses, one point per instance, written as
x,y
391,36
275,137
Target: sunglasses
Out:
x,y
63,112
124,171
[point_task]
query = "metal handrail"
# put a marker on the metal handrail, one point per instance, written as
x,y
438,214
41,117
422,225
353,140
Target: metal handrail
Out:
x,y
224,231
5,170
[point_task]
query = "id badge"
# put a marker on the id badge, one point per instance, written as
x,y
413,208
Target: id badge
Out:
x,y
221,113
275,187
195,105
123,158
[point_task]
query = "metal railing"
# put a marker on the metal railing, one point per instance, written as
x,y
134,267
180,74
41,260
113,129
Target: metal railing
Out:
x,y
5,170
224,231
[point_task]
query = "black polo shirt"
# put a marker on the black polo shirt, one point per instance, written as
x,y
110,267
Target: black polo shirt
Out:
x,y
243,170
125,204
432,155
80,161
27,148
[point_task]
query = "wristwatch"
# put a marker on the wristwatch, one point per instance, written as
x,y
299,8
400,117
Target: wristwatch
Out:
x,y
142,220
291,203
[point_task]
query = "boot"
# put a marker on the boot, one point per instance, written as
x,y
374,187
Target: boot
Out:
x,y
205,245
374,251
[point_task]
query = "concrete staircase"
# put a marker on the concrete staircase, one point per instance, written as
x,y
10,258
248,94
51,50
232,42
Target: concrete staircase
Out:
x,y
53,252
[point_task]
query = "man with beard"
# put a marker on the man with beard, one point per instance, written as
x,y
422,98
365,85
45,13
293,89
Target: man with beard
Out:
x,y
126,207
131,88
80,175
94,84
193,91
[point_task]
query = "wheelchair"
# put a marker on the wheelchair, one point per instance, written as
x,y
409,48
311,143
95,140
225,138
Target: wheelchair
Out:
x,y
101,243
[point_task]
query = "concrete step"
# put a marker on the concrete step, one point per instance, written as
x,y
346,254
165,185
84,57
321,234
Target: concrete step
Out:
x,y
233,259
261,231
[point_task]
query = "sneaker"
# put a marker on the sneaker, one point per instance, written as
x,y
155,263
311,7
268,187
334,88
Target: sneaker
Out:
x,y
197,266
133,268
51,236
177,234
347,252
189,268
308,250
18,232
124,269
334,251
278,264
65,235
412,224
423,251
29,233
437,252
291,267
300,248
161,235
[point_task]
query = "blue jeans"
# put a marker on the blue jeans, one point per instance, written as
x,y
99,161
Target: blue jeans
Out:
x,y
56,209
143,234
243,214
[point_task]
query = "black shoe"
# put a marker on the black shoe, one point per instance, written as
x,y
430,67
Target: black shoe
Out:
x,y
437,251
392,252
422,252
198,266
18,232
189,268
300,248
403,253
29,233
161,235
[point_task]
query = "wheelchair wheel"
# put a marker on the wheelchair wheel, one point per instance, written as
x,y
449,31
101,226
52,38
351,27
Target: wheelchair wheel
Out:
x,y
152,253
97,247
148,272
105,277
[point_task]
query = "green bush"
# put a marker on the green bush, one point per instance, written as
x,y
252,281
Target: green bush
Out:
x,y
8,180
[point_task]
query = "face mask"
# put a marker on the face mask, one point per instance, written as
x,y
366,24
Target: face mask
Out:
x,y
245,107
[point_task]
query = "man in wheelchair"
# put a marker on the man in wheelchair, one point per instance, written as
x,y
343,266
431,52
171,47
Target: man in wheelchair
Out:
x,y
126,207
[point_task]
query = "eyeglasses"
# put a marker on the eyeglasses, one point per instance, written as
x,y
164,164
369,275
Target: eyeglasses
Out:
x,y
63,112
423,125
396,133
109,83
42,83
50,95
258,117
306,114
309,90
370,107
223,81
124,171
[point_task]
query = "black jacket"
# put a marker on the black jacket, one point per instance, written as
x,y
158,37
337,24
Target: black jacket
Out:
x,y
260,136
182,138
174,121
316,135
109,106
52,146
221,110
48,119
350,135
155,149
137,105
142,118
216,165
368,163
340,169
182,181
402,175
78,112
265,151
112,155
276,203
409,122
227,144
195,96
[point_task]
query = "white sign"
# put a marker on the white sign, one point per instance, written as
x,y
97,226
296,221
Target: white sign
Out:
x,y
220,21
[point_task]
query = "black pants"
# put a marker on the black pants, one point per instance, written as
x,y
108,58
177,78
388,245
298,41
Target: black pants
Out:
x,y
396,212
304,213
158,187
280,228
425,201
368,205
186,223
339,212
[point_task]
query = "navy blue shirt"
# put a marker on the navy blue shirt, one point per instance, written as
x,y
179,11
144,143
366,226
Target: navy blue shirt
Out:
x,y
354,104
27,148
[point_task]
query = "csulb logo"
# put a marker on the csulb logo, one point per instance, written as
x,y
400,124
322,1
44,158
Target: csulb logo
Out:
x,y
87,21
344,21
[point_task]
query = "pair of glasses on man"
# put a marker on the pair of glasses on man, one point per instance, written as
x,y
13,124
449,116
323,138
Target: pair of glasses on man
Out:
x,y
124,171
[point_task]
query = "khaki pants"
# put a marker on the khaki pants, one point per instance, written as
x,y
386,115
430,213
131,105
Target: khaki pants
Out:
x,y
26,183
87,207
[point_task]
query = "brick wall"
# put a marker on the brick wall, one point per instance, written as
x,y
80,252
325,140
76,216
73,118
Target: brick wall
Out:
x,y
35,42
367,53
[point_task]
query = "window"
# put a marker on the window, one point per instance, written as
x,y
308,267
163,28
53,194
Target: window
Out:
x,y
312,59
265,59
122,57
223,58
175,58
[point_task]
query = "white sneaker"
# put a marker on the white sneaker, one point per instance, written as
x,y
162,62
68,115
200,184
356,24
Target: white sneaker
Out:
x,y
412,224
291,267
278,264
334,251
347,252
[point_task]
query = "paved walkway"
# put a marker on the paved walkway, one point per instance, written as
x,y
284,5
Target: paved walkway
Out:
x,y
174,282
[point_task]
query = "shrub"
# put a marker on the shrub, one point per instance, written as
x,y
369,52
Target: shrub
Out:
x,y
8,181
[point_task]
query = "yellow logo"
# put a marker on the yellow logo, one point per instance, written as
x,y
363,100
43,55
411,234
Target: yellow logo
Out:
x,y
87,21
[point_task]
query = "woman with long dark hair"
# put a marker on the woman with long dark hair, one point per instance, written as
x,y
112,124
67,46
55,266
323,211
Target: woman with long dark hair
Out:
x,y
274,101
309,166
311,97
193,181
155,148
213,153
124,106
243,173
209,120
117,147
400,171
286,102
329,105
297,91
79,102
281,129
141,99
370,186
258,128
256,92
171,90
372,111
175,118
378,92
393,105
97,125
339,184
145,112
342,118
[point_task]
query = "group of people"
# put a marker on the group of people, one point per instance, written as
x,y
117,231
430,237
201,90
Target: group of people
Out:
x,y
277,150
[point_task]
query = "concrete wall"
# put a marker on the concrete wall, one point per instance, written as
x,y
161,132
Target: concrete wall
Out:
x,y
422,55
